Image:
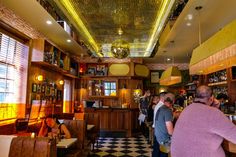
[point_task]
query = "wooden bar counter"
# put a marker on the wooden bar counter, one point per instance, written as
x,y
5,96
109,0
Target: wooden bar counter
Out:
x,y
117,119
229,148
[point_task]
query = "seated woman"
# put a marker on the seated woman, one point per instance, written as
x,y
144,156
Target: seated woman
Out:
x,y
52,127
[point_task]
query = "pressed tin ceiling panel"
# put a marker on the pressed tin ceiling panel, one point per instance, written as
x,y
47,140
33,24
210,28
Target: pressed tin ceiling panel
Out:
x,y
103,20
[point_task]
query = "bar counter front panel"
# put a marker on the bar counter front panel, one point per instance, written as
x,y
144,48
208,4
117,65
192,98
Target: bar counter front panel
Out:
x,y
117,119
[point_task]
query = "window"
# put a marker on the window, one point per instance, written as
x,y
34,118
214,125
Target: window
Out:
x,y
13,76
109,88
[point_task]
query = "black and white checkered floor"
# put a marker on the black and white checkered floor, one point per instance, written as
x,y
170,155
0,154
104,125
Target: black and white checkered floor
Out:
x,y
123,147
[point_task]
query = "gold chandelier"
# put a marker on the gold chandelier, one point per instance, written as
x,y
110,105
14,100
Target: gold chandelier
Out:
x,y
120,49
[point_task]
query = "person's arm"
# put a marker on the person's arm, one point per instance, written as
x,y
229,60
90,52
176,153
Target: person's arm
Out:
x,y
168,121
223,127
65,131
43,130
170,128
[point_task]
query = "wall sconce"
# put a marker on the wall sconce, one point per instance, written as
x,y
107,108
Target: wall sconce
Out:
x,y
39,78
61,82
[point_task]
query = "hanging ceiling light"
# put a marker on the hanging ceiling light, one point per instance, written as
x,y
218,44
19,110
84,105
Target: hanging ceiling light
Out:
x,y
171,76
216,53
120,49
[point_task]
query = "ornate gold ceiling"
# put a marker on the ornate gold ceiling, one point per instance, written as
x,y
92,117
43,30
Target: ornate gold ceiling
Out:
x,y
101,22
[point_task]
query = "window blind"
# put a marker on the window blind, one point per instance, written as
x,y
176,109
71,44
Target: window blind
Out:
x,y
13,76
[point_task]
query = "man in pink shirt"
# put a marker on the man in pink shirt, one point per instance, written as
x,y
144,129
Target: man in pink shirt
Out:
x,y
201,128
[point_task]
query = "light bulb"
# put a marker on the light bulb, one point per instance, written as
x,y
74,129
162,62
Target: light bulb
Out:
x,y
39,78
61,82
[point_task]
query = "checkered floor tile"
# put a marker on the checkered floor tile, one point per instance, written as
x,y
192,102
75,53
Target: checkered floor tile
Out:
x,y
122,147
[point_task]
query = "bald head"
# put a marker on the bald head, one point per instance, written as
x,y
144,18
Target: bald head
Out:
x,y
162,96
203,92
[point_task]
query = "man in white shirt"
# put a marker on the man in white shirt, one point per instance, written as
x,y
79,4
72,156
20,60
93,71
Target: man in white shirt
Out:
x,y
156,149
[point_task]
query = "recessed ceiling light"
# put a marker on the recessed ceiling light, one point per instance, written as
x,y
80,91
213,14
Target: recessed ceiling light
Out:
x,y
68,40
48,22
188,24
189,16
120,31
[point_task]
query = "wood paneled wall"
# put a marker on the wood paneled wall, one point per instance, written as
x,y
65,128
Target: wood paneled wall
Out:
x,y
49,76
125,95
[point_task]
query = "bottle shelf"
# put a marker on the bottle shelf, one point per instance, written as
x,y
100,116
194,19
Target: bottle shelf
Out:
x,y
218,83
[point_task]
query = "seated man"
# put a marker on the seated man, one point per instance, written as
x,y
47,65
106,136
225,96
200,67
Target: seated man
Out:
x,y
52,127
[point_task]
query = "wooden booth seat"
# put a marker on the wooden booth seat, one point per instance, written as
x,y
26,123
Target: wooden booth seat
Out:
x,y
27,147
77,129
91,119
93,135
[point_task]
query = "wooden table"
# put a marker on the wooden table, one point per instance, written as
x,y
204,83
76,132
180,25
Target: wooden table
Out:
x,y
90,127
66,143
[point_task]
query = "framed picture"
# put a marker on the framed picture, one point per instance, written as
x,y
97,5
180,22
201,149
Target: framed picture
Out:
x,y
55,92
38,88
59,95
34,87
91,70
155,77
47,92
100,70
52,91
43,89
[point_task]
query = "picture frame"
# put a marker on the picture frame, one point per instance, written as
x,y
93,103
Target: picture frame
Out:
x,y
155,76
43,89
52,92
55,92
47,92
38,88
34,87
100,71
59,95
91,71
